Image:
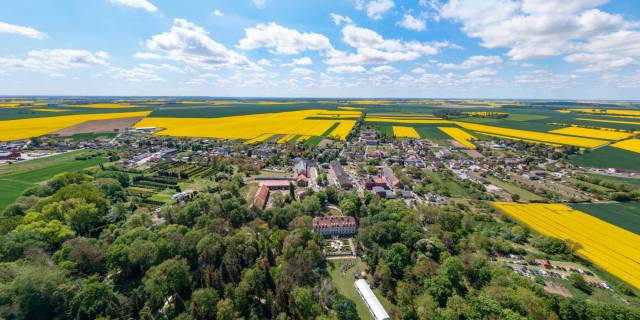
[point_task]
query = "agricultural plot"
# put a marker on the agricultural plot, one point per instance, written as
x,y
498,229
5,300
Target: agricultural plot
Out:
x,y
252,127
460,136
624,215
407,120
405,132
534,136
636,123
28,128
16,178
605,111
610,247
603,133
101,106
607,157
632,145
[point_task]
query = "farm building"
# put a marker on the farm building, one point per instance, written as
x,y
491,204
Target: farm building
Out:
x,y
391,178
276,184
335,226
371,301
262,195
341,176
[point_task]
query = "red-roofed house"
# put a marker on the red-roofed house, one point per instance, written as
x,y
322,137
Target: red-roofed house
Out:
x,y
335,225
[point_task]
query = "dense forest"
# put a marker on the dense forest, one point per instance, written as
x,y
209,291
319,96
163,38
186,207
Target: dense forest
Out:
x,y
80,247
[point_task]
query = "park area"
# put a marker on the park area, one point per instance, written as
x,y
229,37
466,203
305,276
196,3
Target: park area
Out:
x,y
16,178
343,278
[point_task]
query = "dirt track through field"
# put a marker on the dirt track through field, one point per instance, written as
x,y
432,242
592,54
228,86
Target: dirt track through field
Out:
x,y
100,126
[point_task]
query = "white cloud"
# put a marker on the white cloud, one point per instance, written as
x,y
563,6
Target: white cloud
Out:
x,y
56,61
412,23
419,71
302,71
377,8
137,74
533,28
305,61
384,70
347,69
473,62
264,63
146,56
482,73
599,62
217,13
372,48
140,4
544,79
283,40
260,3
22,31
191,44
338,19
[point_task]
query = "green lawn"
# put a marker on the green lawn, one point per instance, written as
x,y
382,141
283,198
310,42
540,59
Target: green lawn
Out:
x,y
608,157
624,215
16,178
345,285
93,136
513,189
634,182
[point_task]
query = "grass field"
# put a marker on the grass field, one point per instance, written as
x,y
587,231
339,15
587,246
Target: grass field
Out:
x,y
612,248
513,189
345,285
623,215
608,157
16,178
634,182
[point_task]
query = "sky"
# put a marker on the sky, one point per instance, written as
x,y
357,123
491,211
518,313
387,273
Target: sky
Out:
x,y
509,49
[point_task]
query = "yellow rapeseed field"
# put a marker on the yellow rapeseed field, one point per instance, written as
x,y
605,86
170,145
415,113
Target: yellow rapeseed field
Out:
x,y
350,108
35,127
606,111
406,120
459,135
609,121
521,139
259,138
612,248
251,126
50,110
8,105
602,133
534,136
629,145
101,106
343,129
405,132
484,113
286,138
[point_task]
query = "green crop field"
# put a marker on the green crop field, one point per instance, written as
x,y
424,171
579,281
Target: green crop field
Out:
x,y
624,215
218,111
634,182
608,157
16,178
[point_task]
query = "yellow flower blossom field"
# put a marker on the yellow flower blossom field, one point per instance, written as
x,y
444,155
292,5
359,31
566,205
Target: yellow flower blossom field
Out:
x,y
603,133
538,137
612,248
405,132
629,145
35,127
250,127
460,136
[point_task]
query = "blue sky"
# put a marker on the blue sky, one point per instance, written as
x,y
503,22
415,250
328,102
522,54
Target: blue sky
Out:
x,y
557,49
